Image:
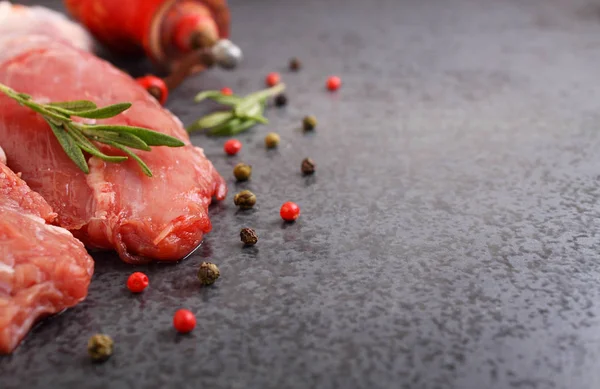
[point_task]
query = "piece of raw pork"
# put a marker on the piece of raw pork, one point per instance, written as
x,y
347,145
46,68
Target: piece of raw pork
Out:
x,y
43,268
115,206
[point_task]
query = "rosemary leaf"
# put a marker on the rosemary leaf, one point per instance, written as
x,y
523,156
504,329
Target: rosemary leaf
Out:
x,y
69,145
123,138
86,145
213,119
75,105
142,164
232,127
104,112
217,97
152,138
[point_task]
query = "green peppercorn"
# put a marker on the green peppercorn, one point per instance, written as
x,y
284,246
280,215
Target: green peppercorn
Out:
x,y
272,140
308,166
309,123
245,199
208,273
295,64
248,236
281,100
100,347
242,172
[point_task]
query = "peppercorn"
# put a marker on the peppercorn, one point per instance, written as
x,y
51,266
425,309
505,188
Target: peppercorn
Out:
x,y
271,140
309,123
245,199
242,172
208,273
232,146
155,86
281,100
308,166
248,236
100,347
184,321
226,91
333,83
137,282
272,79
295,64
289,211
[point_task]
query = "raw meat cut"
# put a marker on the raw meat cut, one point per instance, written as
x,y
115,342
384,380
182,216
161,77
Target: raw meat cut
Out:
x,y
116,206
43,268
17,19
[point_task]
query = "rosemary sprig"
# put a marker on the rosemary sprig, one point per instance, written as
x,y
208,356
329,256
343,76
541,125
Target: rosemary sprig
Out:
x,y
76,138
244,113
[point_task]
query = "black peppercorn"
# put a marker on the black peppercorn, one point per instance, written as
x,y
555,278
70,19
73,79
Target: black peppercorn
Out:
x,y
308,166
248,236
100,347
309,123
208,273
242,172
295,64
281,100
245,199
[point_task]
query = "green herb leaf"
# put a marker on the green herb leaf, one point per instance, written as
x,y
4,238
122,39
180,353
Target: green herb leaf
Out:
x,y
218,97
123,138
213,119
75,105
143,165
105,112
69,145
246,111
232,127
152,138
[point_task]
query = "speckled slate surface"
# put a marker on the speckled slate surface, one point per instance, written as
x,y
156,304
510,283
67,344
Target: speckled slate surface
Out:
x,y
448,239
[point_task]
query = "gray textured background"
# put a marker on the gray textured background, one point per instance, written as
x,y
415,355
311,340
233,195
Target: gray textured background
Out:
x,y
448,239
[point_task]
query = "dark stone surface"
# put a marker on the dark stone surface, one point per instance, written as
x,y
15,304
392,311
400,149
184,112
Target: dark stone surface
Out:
x,y
447,240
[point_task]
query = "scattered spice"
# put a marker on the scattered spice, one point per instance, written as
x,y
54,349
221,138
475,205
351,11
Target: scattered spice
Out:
x,y
289,211
184,321
334,83
137,282
227,91
100,347
208,273
272,140
248,236
155,86
245,199
281,100
242,171
308,166
295,64
309,123
272,79
232,146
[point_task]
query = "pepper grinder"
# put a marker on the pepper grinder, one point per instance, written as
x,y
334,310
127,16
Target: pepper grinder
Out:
x,y
181,37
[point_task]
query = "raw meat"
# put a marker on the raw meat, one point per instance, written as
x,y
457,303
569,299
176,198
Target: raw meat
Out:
x,y
115,206
43,268
17,19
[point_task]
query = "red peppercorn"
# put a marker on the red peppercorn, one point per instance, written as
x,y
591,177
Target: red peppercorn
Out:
x,y
272,79
227,91
334,83
289,211
137,282
232,146
184,321
155,86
